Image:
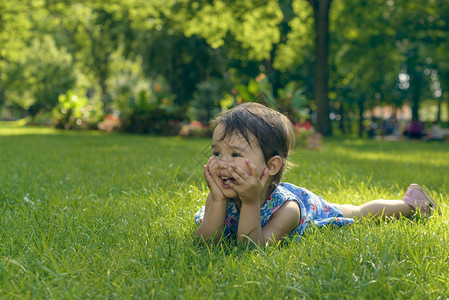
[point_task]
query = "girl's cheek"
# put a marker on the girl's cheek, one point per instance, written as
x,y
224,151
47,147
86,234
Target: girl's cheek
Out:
x,y
213,161
213,164
245,166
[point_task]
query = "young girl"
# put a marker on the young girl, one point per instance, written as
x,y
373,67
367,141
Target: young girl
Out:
x,y
250,146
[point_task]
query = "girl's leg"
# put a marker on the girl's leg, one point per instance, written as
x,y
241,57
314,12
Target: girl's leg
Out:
x,y
377,209
416,199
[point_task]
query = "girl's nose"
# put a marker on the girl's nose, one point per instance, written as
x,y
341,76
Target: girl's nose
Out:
x,y
223,163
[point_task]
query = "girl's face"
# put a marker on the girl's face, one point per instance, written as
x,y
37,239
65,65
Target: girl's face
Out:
x,y
234,149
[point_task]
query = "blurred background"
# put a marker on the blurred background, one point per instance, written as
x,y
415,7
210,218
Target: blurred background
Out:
x,y
360,68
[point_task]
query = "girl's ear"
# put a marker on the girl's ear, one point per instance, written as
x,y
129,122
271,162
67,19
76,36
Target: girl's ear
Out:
x,y
274,164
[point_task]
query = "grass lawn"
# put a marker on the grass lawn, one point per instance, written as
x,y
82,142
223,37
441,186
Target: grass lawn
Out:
x,y
92,215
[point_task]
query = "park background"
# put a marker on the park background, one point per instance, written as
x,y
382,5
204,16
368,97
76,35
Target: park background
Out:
x,y
155,66
88,214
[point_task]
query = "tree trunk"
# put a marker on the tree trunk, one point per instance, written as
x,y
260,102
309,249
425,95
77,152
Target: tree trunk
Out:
x,y
2,95
284,29
2,90
272,73
438,118
342,114
361,111
321,15
416,81
448,117
105,98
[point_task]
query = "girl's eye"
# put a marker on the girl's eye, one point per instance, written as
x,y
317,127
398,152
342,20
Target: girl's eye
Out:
x,y
235,155
215,153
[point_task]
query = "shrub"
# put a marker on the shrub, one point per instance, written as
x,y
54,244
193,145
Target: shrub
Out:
x,y
110,123
195,129
153,112
156,120
206,102
75,112
306,137
42,118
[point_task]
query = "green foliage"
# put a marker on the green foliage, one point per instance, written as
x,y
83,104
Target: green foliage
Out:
x,y
251,24
293,101
206,101
115,50
299,43
111,216
34,80
364,74
154,120
129,86
183,62
257,90
290,101
154,112
75,111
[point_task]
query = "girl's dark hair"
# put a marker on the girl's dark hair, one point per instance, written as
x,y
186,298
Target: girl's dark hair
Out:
x,y
273,130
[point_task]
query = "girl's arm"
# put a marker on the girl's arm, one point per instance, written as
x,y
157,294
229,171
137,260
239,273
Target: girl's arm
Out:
x,y
212,225
213,221
280,225
251,190
282,222
249,223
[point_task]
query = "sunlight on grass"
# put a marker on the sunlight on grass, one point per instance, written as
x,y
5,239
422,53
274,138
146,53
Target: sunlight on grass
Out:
x,y
19,128
432,158
27,130
17,123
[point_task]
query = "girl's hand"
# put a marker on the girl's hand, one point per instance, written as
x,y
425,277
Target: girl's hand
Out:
x,y
249,187
215,192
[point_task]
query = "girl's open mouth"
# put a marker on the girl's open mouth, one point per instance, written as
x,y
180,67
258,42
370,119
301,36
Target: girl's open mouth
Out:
x,y
226,181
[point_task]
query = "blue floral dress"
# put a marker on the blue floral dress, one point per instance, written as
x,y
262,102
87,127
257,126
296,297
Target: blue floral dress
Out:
x,y
315,211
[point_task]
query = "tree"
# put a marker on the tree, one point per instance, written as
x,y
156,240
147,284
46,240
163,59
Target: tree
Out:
x,y
385,53
321,10
365,58
43,73
34,70
418,33
440,62
93,32
274,74
184,62
13,18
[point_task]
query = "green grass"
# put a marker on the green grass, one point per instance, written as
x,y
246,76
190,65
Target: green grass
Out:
x,y
91,215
